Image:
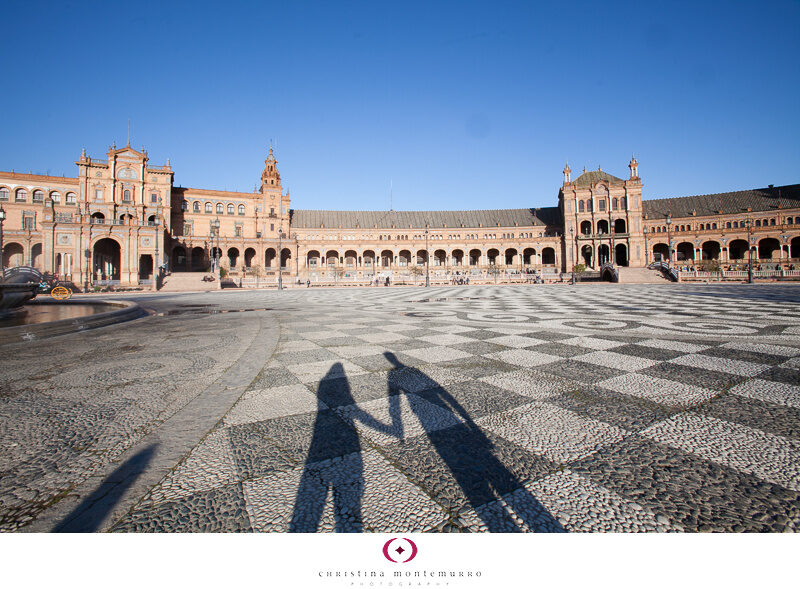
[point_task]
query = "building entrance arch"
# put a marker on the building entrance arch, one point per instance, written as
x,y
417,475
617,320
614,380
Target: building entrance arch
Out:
x,y
621,254
106,255
587,255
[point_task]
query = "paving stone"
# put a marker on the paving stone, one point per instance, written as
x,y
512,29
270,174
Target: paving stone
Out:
x,y
767,456
357,492
690,491
551,431
218,510
463,466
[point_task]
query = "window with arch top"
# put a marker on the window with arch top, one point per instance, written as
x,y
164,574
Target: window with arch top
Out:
x,y
208,207
126,195
230,209
581,206
196,207
241,209
220,208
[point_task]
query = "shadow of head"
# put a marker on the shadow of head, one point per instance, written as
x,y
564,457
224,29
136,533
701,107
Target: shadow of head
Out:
x,y
393,359
90,515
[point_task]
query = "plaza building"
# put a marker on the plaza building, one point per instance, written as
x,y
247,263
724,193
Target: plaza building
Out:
x,y
122,217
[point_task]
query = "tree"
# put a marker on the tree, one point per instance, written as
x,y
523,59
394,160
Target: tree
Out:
x,y
415,271
579,269
257,271
494,271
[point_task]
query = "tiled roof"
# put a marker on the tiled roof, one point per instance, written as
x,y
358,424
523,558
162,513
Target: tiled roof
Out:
x,y
589,178
758,199
421,219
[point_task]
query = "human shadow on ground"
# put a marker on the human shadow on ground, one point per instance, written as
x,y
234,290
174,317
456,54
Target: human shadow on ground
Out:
x,y
469,455
89,515
335,436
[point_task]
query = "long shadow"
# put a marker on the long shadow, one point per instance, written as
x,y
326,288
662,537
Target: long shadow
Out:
x,y
89,515
336,436
470,457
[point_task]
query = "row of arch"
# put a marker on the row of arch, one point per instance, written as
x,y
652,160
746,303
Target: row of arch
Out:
x,y
602,254
124,218
14,255
21,195
198,258
771,222
768,248
439,257
602,227
220,208
585,206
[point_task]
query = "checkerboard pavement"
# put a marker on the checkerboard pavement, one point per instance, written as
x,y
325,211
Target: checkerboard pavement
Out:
x,y
508,409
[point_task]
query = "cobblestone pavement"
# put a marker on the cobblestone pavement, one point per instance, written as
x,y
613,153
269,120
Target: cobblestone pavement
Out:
x,y
530,408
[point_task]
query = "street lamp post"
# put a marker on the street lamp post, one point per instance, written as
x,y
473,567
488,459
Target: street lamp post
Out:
x,y
156,269
646,260
669,240
215,225
280,257
750,278
2,261
427,261
572,252
87,253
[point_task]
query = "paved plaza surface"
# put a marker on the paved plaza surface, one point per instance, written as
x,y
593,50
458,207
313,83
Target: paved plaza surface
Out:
x,y
483,408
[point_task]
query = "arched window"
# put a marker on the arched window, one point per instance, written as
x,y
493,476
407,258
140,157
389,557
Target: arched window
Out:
x,y
184,206
21,195
241,209
55,196
230,209
758,222
614,204
772,221
788,220
208,207
602,204
220,208
736,224
623,203
713,225
38,196
126,195
728,225
580,206
71,198
196,207
3,194
589,206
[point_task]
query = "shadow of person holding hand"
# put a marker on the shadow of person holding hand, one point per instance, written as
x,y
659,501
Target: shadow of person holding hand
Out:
x,y
469,455
336,437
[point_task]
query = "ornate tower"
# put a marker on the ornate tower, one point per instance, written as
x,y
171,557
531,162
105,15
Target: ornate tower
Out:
x,y
275,203
634,166
567,174
270,177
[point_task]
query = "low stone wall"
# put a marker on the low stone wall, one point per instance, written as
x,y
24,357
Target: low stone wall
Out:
x,y
121,311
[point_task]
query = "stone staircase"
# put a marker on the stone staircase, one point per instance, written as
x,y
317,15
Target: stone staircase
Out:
x,y
640,276
187,281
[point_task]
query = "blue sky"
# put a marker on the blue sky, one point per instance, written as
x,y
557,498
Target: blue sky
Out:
x,y
459,105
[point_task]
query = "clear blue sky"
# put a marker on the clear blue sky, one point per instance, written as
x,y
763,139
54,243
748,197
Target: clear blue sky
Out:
x,y
460,105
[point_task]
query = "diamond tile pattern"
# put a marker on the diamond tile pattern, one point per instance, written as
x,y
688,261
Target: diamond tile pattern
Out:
x,y
508,409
